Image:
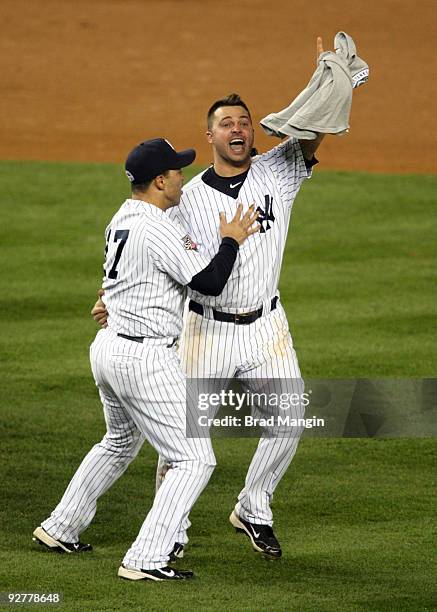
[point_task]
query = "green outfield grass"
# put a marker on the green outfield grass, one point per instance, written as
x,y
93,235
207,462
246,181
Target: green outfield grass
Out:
x,y
356,518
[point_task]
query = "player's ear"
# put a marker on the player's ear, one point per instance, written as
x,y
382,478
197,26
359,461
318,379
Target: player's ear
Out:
x,y
159,182
209,136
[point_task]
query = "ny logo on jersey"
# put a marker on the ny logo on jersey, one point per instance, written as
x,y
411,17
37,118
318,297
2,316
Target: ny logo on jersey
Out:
x,y
266,215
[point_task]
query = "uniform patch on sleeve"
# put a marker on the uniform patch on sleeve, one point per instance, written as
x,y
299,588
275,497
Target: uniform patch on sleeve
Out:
x,y
189,244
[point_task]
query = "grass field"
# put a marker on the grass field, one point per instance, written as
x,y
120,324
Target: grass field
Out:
x,y
356,518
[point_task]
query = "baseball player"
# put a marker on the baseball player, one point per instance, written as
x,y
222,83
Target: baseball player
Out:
x,y
243,332
149,262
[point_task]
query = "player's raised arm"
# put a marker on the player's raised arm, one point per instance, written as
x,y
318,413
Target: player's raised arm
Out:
x,y
309,147
323,107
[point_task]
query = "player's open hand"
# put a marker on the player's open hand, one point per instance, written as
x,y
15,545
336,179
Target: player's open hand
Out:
x,y
99,312
240,227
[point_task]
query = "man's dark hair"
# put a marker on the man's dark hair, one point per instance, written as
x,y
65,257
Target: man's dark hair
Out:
x,y
232,100
142,187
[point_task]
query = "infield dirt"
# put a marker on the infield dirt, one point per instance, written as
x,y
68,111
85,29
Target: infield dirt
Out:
x,y
88,80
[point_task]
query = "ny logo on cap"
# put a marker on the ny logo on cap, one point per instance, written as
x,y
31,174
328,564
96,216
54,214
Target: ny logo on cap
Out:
x,y
169,144
130,176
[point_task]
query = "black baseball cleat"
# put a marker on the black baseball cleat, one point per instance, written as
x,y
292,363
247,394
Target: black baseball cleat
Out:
x,y
176,553
158,575
41,536
262,536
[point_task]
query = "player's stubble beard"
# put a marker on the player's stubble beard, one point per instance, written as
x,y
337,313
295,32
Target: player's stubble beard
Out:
x,y
235,163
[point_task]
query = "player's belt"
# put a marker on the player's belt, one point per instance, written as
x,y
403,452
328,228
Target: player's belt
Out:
x,y
226,317
142,338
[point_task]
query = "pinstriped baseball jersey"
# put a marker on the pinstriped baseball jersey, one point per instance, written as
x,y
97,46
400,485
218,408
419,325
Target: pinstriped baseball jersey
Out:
x,y
271,183
149,260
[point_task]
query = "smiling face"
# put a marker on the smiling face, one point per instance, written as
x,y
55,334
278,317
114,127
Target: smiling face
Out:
x,y
231,135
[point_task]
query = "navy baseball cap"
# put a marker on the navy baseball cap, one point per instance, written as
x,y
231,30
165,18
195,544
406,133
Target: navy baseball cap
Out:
x,y
153,157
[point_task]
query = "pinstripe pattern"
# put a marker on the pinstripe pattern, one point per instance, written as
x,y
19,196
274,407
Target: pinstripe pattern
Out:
x,y
263,349
255,276
146,298
142,387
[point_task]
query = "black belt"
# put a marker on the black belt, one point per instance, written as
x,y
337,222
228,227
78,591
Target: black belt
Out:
x,y
226,317
142,338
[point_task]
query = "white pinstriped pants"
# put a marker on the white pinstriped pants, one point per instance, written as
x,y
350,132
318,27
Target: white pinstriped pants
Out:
x,y
261,350
142,388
